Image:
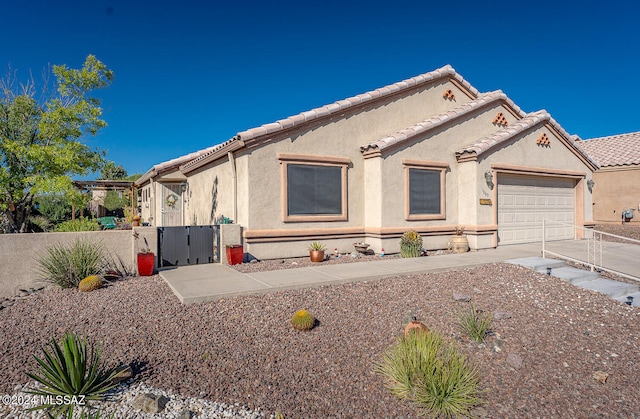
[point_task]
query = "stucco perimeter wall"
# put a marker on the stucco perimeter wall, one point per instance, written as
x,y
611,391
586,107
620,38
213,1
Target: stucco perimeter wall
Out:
x,y
616,189
20,252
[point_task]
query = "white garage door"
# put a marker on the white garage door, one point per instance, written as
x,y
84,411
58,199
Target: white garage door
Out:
x,y
523,202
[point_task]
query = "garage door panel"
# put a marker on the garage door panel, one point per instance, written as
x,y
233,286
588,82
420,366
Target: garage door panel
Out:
x,y
524,202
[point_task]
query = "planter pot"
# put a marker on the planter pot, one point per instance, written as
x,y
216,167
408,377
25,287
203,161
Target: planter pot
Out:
x,y
361,247
316,255
415,327
459,244
410,251
135,222
235,253
146,263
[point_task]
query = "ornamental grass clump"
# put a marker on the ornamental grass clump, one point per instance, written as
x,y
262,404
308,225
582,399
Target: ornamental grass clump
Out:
x,y
474,323
410,244
72,372
67,265
432,374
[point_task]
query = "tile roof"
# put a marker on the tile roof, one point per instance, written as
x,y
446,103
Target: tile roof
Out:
x,y
532,119
439,120
172,164
615,150
336,107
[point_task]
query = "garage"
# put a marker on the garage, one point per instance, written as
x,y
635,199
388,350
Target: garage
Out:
x,y
525,201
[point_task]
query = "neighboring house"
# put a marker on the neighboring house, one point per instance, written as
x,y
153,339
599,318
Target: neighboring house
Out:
x,y
617,183
430,153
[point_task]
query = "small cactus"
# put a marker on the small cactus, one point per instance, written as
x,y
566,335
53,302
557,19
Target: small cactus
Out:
x,y
303,320
90,283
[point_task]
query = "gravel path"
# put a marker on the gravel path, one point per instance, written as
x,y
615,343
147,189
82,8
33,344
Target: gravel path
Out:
x,y
538,363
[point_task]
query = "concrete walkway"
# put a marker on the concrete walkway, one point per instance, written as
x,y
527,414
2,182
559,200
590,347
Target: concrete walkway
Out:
x,y
210,282
213,281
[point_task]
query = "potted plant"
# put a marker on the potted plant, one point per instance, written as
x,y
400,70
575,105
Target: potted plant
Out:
x,y
459,242
145,259
410,244
135,221
235,254
316,252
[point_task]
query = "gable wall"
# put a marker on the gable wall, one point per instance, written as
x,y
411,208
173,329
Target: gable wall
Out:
x,y
210,194
439,146
340,138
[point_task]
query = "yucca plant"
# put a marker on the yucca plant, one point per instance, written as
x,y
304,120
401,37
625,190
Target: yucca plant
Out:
x,y
432,374
66,265
474,323
71,370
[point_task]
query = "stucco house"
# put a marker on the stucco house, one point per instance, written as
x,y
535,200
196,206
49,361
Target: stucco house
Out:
x,y
617,184
430,153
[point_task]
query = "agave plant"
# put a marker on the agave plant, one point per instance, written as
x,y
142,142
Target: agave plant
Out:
x,y
72,373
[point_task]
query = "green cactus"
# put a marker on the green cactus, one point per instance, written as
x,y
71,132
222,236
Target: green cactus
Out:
x,y
410,244
303,320
90,283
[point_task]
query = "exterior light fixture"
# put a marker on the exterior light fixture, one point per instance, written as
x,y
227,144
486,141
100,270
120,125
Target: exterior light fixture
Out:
x,y
549,271
590,185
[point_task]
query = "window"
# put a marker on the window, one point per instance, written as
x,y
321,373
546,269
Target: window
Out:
x,y
314,188
424,190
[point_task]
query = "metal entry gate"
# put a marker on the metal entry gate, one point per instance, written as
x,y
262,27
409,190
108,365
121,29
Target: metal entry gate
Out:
x,y
188,245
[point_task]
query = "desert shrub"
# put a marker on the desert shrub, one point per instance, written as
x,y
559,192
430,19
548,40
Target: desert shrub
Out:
x,y
83,224
303,320
410,244
67,265
73,370
39,223
432,374
474,323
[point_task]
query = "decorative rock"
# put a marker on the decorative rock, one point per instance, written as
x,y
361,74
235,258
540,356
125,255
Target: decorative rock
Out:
x,y
498,346
355,255
514,360
185,414
461,297
501,315
124,373
600,376
150,403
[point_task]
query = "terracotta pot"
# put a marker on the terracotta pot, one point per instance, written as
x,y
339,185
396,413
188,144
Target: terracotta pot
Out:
x,y
459,244
136,221
316,255
146,263
235,253
415,326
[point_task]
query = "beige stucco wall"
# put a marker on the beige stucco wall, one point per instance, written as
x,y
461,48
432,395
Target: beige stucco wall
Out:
x,y
210,194
20,253
616,189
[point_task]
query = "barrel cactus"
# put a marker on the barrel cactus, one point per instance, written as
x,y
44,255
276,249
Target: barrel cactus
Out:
x,y
410,244
90,283
303,320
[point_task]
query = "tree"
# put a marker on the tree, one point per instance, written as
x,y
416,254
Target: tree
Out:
x,y
40,138
112,171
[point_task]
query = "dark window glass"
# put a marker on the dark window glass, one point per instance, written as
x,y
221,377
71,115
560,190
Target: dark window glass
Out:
x,y
314,190
424,191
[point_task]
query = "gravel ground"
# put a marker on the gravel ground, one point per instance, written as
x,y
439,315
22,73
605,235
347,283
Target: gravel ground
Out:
x,y
537,363
626,230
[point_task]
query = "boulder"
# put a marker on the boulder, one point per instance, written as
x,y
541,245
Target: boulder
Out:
x,y
150,403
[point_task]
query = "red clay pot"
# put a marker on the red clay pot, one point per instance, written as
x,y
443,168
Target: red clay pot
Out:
x,y
146,263
235,254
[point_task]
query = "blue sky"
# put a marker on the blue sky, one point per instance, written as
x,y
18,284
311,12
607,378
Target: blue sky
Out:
x,y
191,74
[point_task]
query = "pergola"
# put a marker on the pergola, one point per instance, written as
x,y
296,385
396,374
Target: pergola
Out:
x,y
109,185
